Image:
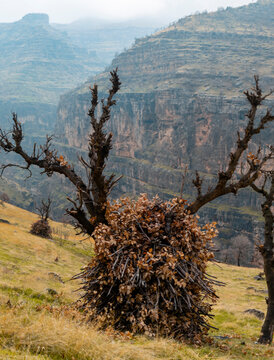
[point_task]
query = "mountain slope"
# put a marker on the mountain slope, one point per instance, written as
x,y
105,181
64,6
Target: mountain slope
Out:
x,y
106,37
37,64
38,324
206,53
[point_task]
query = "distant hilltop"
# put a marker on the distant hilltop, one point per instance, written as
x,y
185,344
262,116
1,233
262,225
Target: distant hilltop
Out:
x,y
36,19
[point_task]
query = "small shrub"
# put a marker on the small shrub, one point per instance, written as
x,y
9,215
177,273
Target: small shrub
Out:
x,y
41,228
148,275
4,197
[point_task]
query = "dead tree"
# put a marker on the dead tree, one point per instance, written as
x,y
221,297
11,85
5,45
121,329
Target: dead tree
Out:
x,y
89,207
42,227
44,209
267,251
230,182
4,197
241,248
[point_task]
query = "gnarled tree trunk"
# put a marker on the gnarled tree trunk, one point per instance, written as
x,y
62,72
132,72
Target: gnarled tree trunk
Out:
x,y
267,251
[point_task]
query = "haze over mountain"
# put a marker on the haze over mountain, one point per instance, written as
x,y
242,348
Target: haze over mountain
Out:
x,y
40,61
37,64
108,38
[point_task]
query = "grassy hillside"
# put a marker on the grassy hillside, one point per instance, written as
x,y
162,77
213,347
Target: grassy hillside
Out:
x,y
35,324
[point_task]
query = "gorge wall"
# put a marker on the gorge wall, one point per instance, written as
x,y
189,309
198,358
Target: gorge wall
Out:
x,y
181,103
156,134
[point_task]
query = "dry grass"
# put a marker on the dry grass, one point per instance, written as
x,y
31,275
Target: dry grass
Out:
x,y
29,329
26,260
63,338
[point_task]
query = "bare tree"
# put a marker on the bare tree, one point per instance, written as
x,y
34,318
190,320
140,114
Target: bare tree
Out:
x,y
228,181
224,256
267,250
241,248
44,209
4,197
238,252
89,207
42,227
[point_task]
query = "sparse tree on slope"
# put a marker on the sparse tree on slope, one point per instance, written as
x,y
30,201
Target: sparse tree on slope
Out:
x,y
42,227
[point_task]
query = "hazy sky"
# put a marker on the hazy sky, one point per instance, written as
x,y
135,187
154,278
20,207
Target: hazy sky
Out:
x,y
64,11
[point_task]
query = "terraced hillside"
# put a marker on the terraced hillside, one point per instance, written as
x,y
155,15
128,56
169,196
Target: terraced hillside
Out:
x,y
40,61
37,64
181,103
38,323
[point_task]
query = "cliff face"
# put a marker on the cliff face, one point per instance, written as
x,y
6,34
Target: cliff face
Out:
x,y
181,103
182,84
155,135
166,129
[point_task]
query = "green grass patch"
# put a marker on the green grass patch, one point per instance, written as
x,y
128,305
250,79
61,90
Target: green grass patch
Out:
x,y
16,294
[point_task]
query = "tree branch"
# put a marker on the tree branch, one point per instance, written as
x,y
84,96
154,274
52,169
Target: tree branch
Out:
x,y
93,194
255,164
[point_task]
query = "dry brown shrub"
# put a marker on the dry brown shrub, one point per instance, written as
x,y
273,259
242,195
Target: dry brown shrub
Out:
x,y
41,228
148,275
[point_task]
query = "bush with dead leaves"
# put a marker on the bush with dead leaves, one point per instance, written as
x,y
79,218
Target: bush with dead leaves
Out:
x,y
148,275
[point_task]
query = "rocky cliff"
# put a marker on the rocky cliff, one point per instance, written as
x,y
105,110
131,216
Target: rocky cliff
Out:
x,y
181,104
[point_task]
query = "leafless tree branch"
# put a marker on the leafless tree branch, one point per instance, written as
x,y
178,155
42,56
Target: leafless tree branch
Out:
x,y
255,163
44,209
94,192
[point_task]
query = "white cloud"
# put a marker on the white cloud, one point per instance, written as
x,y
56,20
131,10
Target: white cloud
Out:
x,y
69,10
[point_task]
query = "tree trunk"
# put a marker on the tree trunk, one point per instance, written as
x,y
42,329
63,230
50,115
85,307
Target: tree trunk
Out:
x,y
239,258
268,256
